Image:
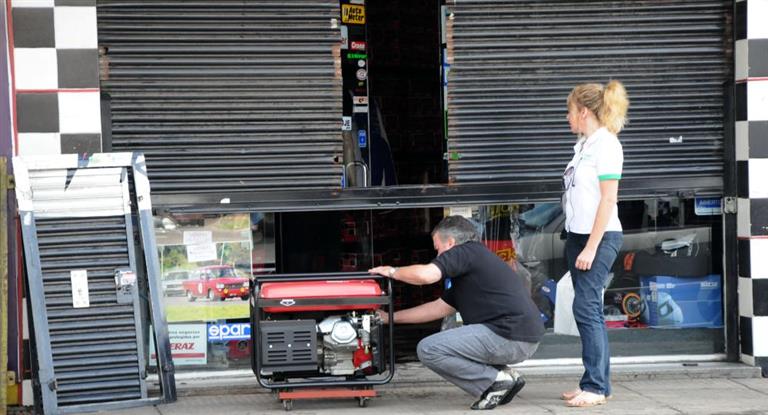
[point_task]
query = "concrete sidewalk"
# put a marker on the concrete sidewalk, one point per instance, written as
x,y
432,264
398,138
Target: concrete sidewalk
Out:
x,y
706,388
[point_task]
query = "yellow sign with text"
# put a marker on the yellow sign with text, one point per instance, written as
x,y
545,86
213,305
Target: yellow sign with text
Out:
x,y
353,14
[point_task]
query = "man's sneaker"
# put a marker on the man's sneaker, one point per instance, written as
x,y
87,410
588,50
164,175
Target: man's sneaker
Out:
x,y
519,384
500,391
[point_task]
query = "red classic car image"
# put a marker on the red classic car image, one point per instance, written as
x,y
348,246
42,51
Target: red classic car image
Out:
x,y
216,282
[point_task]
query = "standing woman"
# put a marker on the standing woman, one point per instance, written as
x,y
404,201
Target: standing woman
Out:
x,y
596,113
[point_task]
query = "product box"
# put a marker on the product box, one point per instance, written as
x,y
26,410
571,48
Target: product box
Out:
x,y
682,302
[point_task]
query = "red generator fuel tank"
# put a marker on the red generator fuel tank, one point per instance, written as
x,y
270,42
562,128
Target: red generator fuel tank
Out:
x,y
288,292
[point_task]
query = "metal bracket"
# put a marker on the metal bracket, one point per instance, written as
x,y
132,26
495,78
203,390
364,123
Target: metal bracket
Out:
x,y
730,205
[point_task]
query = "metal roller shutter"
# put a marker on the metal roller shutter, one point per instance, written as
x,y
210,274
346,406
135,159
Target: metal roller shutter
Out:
x,y
514,63
225,95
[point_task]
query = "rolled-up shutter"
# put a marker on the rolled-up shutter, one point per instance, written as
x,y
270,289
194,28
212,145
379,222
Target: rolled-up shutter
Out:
x,y
514,63
225,95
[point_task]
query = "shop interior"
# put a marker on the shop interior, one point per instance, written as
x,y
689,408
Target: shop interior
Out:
x,y
404,81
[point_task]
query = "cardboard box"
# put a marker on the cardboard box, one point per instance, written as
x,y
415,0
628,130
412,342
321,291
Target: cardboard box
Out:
x,y
682,302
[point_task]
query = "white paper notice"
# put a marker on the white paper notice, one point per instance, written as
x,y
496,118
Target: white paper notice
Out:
x,y
465,211
200,253
79,280
198,237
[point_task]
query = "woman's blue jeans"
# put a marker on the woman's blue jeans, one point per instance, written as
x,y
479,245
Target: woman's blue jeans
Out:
x,y
588,308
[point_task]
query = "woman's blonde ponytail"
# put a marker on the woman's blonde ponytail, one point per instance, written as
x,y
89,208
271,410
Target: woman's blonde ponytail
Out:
x,y
613,111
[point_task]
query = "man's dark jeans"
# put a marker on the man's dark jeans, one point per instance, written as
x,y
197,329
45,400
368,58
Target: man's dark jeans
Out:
x,y
588,308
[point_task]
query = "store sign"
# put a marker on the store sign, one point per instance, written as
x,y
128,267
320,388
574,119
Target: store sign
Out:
x,y
358,45
346,123
188,345
708,206
362,139
356,56
225,332
353,14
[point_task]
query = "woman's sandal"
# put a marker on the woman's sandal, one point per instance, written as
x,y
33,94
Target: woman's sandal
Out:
x,y
586,400
567,396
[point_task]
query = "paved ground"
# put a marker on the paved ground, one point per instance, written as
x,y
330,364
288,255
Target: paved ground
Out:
x,y
708,388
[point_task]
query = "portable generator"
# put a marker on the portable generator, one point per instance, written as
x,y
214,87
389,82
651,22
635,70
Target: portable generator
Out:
x,y
318,336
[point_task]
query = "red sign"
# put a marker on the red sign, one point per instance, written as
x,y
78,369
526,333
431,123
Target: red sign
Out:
x,y
357,45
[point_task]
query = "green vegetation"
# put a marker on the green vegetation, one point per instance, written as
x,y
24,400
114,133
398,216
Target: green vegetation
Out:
x,y
204,312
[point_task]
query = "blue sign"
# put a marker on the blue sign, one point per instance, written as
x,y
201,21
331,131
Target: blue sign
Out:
x,y
362,138
707,206
225,332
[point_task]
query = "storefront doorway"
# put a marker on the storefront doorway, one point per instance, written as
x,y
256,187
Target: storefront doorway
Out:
x,y
237,103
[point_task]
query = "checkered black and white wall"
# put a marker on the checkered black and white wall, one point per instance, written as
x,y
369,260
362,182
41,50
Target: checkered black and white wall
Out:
x,y
55,82
56,76
751,71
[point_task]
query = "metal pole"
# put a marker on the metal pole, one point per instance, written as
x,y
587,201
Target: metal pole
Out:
x,y
3,285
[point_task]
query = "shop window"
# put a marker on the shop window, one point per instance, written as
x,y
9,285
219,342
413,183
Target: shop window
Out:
x,y
207,262
667,274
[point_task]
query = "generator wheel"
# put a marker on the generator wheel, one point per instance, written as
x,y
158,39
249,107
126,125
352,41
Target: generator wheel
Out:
x,y
287,404
362,401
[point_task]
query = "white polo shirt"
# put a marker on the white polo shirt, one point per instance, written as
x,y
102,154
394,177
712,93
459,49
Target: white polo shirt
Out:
x,y
596,158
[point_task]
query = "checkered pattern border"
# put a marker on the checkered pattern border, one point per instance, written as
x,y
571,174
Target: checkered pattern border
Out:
x,y
56,76
751,106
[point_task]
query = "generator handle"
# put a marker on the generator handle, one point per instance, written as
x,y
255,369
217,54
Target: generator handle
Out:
x,y
322,276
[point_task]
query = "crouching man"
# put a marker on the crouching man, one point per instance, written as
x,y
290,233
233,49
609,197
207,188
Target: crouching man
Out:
x,y
502,326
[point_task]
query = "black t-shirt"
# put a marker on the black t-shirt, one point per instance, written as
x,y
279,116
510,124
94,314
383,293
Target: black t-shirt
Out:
x,y
485,290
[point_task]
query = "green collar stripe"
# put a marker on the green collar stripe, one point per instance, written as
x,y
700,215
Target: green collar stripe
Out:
x,y
609,177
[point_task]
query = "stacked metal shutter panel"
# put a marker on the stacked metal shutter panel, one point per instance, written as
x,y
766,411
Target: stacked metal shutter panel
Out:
x,y
77,221
225,95
514,63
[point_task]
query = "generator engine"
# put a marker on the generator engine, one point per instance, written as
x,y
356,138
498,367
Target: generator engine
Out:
x,y
346,344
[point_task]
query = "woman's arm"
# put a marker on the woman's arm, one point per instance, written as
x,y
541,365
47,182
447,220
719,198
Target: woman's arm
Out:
x,y
609,191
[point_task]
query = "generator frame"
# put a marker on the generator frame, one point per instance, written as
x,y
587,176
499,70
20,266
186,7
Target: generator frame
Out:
x,y
318,387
